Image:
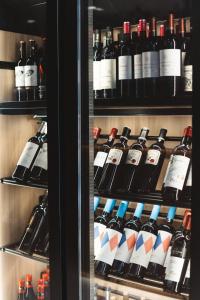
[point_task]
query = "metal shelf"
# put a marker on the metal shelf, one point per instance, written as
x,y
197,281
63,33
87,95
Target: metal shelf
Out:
x,y
36,107
30,184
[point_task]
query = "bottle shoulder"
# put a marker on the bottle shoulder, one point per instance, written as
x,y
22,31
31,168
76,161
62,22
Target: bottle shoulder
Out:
x,y
150,227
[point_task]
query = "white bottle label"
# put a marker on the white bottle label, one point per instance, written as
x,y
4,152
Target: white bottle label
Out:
x,y
31,75
174,268
42,159
100,159
188,80
125,67
168,257
143,249
189,180
109,245
138,66
152,157
133,157
28,154
150,64
126,245
19,76
96,75
170,62
177,172
98,235
187,275
168,167
114,157
161,247
108,73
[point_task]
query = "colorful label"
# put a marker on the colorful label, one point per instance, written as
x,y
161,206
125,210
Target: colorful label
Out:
x,y
138,66
108,73
161,247
98,235
114,157
170,62
31,75
19,76
133,157
188,80
96,75
150,64
42,159
152,157
125,67
174,268
100,159
28,154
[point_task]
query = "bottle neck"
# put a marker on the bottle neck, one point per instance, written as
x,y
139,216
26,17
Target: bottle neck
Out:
x,y
22,51
161,140
141,140
170,221
187,140
123,140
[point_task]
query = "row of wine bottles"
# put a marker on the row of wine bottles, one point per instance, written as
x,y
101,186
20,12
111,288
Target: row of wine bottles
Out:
x,y
135,250
30,72
33,163
35,238
146,66
122,169
26,291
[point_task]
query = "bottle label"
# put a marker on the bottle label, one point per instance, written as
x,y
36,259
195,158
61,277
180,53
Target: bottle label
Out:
x,y
133,157
19,76
150,64
109,245
96,75
138,66
188,81
108,74
126,245
170,62
161,247
98,235
177,172
167,257
168,167
114,157
41,160
100,159
30,75
125,67
174,269
189,180
28,154
143,249
187,275
152,157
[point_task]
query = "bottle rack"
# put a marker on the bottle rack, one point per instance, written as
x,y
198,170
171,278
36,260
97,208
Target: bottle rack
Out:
x,y
30,184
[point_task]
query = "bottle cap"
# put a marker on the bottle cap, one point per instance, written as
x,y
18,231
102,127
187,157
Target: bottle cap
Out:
x,y
126,132
96,132
188,131
171,213
96,202
45,277
127,27
162,30
185,218
113,133
155,212
28,277
139,210
142,25
21,283
122,209
110,204
163,133
189,222
144,133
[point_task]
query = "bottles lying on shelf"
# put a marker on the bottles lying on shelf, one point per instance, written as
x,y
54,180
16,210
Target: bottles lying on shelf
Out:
x,y
42,71
21,290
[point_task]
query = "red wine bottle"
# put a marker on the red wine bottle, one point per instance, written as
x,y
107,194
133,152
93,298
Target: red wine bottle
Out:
x,y
101,156
125,63
96,204
127,243
135,159
31,72
148,174
29,293
24,165
179,259
188,73
97,51
165,233
146,239
170,62
111,175
110,242
42,71
21,290
177,169
19,73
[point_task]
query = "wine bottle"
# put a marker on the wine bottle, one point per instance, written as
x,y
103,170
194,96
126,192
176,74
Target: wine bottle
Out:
x,y
21,290
42,70
111,175
127,243
24,165
148,174
19,73
135,159
43,238
165,233
96,204
178,169
45,277
179,259
101,222
187,190
125,63
150,62
31,72
146,239
183,43
101,156
109,67
187,281
170,63
29,293
97,51
188,73
110,241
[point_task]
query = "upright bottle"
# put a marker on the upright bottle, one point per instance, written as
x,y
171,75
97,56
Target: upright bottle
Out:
x,y
25,163
111,175
188,73
42,68
110,241
31,73
101,222
125,63
179,259
127,243
109,67
170,63
21,290
29,293
183,43
178,169
97,50
165,232
135,159
149,173
96,204
20,74
101,156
